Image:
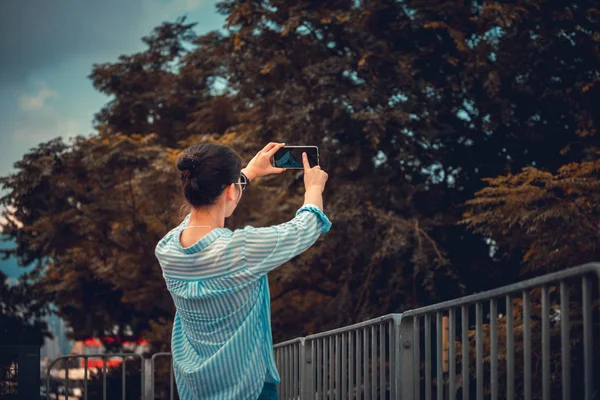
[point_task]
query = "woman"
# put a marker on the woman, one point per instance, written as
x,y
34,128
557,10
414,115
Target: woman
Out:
x,y
222,343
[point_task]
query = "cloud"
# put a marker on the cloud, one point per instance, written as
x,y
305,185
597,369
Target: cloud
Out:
x,y
38,121
43,127
37,100
34,121
58,41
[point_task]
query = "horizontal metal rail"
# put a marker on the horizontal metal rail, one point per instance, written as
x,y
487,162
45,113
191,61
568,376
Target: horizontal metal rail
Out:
x,y
591,268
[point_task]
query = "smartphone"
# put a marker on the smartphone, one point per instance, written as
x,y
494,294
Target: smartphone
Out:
x,y
291,157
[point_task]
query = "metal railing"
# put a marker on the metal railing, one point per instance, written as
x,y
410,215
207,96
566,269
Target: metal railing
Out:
x,y
423,347
171,385
357,360
487,345
429,352
88,373
292,370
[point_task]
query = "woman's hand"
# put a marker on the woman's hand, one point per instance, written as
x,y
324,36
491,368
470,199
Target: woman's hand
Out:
x,y
314,178
260,165
314,182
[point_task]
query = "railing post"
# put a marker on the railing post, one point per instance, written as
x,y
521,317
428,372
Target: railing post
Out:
x,y
404,349
148,379
306,370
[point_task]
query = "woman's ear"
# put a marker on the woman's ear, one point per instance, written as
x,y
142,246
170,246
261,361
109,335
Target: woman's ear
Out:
x,y
231,194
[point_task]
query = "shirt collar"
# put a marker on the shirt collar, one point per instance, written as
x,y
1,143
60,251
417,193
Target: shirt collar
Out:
x,y
200,244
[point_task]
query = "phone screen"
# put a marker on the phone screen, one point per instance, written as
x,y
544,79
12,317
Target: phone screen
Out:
x,y
291,157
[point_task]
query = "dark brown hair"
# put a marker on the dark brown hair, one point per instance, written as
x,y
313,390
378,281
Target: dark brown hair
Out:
x,y
206,170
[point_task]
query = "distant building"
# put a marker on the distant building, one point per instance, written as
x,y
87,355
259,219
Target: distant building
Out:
x,y
59,345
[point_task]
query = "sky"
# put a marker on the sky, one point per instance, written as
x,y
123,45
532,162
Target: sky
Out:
x,y
47,50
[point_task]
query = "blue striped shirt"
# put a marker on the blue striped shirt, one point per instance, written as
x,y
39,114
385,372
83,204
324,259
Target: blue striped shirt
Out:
x,y
221,342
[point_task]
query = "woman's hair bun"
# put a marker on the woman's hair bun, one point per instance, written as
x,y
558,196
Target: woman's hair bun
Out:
x,y
186,162
206,169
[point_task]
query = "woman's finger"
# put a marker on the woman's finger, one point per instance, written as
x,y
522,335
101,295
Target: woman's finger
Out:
x,y
305,162
269,147
273,150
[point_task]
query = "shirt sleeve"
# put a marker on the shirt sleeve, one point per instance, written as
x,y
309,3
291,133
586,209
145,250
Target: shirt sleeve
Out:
x,y
265,249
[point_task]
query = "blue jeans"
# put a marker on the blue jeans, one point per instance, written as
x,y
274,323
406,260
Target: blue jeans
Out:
x,y
269,392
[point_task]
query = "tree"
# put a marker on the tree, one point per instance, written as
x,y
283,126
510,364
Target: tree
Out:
x,y
416,102
21,314
90,210
412,104
540,212
551,219
159,91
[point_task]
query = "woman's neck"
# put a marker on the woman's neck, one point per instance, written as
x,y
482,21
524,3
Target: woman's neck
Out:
x,y
212,216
